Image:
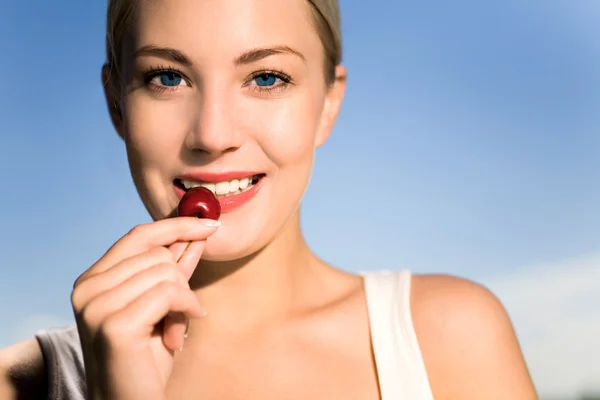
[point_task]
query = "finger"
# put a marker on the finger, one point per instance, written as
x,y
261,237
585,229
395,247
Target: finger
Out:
x,y
189,260
160,233
177,249
136,321
176,325
174,330
115,299
92,286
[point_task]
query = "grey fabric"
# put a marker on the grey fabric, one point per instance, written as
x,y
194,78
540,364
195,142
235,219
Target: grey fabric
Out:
x,y
64,363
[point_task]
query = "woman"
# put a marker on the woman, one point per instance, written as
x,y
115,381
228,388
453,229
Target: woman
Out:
x,y
236,96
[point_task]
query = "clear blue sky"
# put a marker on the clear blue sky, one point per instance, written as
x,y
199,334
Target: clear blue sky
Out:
x,y
470,128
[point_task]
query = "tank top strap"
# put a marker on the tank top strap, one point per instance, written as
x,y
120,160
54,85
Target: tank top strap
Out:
x,y
64,363
400,366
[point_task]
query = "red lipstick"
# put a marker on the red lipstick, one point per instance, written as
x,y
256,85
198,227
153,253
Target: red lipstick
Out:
x,y
214,177
228,202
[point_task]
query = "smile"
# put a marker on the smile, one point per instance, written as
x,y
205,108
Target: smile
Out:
x,y
222,189
232,190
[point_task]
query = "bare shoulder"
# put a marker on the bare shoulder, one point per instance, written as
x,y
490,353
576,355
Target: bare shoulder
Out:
x,y
467,340
22,372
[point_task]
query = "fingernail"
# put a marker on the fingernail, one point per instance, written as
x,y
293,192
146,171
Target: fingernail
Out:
x,y
187,328
211,222
181,348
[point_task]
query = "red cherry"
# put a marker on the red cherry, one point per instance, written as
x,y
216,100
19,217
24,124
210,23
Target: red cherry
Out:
x,y
199,202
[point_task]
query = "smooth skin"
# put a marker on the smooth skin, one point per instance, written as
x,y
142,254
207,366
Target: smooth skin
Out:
x,y
280,322
121,299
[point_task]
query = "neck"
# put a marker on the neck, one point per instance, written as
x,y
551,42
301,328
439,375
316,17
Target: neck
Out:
x,y
259,287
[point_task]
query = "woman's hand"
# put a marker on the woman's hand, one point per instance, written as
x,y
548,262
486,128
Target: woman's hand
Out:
x,y
133,305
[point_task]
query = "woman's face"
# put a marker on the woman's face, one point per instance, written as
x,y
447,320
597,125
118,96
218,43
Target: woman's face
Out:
x,y
222,93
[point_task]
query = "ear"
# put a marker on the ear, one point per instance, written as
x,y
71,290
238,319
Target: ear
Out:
x,y
333,103
113,97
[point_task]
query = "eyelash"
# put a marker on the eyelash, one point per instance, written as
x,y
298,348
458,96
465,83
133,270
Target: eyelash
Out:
x,y
285,79
152,73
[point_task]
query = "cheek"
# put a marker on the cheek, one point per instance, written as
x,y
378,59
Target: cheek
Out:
x,y
285,128
154,130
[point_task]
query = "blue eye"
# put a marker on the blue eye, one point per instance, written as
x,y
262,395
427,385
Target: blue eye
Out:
x,y
165,79
169,79
266,80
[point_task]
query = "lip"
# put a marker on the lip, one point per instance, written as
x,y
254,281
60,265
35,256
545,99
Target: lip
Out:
x,y
232,202
214,177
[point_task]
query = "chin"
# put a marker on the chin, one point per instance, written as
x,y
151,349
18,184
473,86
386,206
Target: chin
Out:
x,y
230,245
216,252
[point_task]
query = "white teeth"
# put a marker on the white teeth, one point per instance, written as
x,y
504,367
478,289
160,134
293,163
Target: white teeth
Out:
x,y
210,186
189,184
222,188
192,184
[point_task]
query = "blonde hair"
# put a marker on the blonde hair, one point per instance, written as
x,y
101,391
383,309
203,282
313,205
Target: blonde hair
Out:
x,y
326,19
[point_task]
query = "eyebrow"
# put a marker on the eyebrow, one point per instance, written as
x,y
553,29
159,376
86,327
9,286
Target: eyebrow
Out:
x,y
260,53
248,57
163,52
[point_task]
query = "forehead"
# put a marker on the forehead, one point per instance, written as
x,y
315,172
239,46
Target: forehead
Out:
x,y
203,28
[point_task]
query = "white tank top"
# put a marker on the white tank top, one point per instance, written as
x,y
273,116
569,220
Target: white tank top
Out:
x,y
400,367
398,358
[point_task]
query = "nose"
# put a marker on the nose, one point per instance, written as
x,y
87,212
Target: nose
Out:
x,y
214,130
